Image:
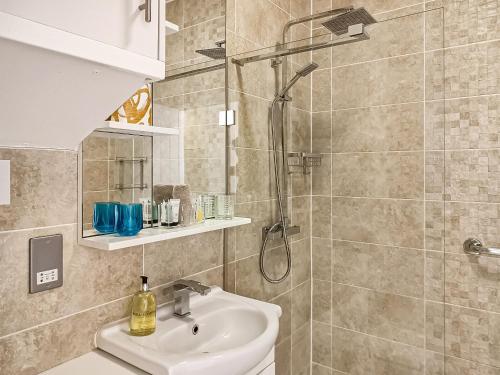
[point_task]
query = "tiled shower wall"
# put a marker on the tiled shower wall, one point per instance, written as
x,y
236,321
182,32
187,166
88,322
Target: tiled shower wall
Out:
x,y
396,203
252,25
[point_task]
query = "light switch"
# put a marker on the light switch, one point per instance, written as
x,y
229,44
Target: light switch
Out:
x,y
4,182
46,263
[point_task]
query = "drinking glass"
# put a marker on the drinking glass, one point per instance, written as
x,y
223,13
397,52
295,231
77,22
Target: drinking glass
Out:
x,y
105,216
129,219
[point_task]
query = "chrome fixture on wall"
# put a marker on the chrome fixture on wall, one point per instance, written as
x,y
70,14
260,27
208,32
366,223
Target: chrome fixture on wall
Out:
x,y
281,228
351,20
473,246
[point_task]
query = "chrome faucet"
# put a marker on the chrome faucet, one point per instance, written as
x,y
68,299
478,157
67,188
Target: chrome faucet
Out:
x,y
182,290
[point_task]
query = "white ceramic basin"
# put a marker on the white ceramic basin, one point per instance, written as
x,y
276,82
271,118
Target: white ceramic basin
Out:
x,y
234,334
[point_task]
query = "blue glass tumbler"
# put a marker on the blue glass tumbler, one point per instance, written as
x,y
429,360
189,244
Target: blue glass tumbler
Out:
x,y
105,216
129,219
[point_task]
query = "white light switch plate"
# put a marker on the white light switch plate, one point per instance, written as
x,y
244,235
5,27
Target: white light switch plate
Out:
x,y
4,181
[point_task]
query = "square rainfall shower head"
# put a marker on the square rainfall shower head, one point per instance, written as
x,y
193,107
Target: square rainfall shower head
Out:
x,y
340,24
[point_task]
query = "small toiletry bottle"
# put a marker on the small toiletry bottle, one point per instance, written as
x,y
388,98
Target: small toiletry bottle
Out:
x,y
143,315
199,211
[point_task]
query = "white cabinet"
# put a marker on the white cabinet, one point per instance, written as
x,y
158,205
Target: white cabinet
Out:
x,y
67,65
119,23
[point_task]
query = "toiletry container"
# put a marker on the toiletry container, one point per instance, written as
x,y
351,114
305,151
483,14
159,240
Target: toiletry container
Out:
x,y
143,314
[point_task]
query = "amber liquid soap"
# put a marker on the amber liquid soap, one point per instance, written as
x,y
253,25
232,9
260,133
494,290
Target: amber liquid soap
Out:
x,y
143,315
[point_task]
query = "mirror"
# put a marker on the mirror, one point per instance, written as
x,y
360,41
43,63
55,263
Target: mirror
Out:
x,y
127,168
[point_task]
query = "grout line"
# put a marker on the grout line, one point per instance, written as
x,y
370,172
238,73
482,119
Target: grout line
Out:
x,y
64,317
36,228
424,219
202,22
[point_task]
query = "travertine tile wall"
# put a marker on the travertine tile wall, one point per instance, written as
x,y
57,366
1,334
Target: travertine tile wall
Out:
x,y
39,331
252,25
400,203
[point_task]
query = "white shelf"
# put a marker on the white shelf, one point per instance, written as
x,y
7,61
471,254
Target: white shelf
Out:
x,y
149,235
122,127
170,28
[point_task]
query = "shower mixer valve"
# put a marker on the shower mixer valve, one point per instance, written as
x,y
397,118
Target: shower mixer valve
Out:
x,y
277,234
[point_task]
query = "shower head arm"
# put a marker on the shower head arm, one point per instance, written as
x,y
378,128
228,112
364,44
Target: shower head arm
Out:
x,y
316,16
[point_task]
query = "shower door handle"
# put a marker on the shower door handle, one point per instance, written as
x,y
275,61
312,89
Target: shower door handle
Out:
x,y
473,246
146,7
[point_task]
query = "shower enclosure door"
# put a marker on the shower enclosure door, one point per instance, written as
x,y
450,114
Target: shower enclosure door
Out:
x,y
366,293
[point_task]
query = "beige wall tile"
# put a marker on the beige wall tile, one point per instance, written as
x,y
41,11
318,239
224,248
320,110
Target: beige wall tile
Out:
x,y
387,221
43,189
322,301
167,261
322,344
301,261
322,259
378,175
384,315
470,22
252,128
300,8
196,12
91,277
249,281
202,35
321,217
46,346
322,90
249,237
434,275
300,131
434,326
251,165
388,128
301,213
318,369
375,6
389,81
455,365
301,347
385,41
283,357
472,335
377,357
473,122
472,281
464,220
479,76
473,176
301,305
321,132
260,21
383,268
322,176
285,302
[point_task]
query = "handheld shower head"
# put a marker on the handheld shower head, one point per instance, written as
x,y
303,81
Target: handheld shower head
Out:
x,y
305,70
302,72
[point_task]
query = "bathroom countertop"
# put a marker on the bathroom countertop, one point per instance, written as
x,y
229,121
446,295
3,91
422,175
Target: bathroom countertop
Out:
x,y
96,362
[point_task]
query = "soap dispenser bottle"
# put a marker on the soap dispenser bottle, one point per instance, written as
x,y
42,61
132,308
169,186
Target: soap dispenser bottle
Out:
x,y
143,315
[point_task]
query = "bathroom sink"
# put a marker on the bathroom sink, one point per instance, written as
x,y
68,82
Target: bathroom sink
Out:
x,y
225,334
